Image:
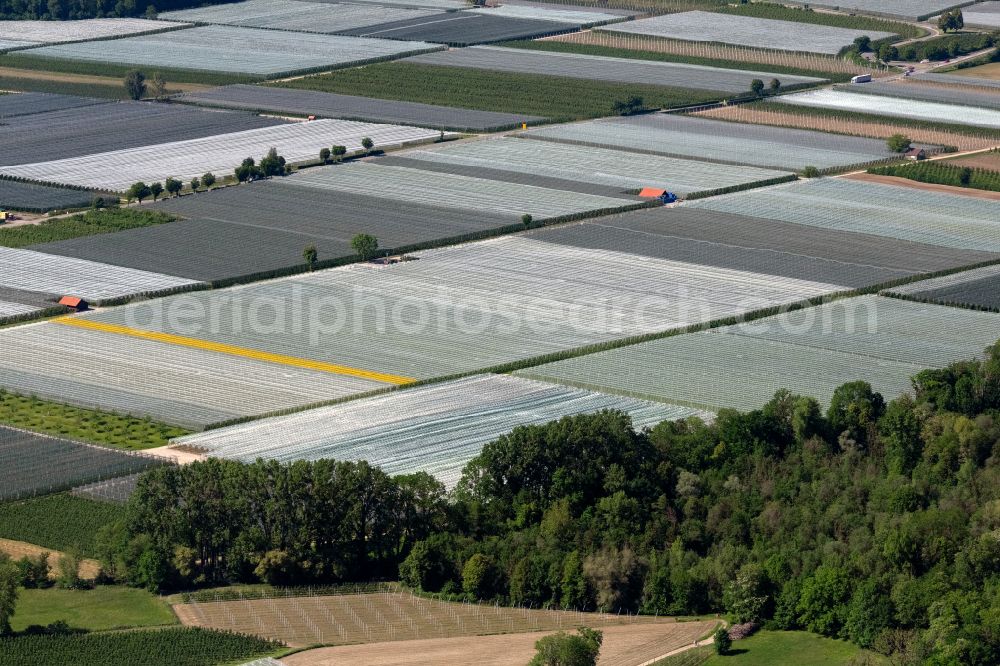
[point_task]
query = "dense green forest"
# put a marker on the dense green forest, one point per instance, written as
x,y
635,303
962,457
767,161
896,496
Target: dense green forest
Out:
x,y
872,521
61,10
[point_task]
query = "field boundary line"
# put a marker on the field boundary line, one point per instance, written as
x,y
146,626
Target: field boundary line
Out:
x,y
233,350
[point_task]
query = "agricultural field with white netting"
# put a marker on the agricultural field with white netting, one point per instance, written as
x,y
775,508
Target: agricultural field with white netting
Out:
x,y
958,78
810,352
15,195
11,44
979,288
26,104
948,220
54,32
746,31
14,303
601,166
907,9
467,307
297,15
32,464
435,429
556,13
12,309
251,51
915,89
100,128
220,154
115,491
689,136
405,184
895,106
986,14
34,271
188,387
433,4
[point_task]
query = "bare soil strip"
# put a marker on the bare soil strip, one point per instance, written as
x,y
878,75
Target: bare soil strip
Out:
x,y
62,77
990,161
926,187
18,549
623,646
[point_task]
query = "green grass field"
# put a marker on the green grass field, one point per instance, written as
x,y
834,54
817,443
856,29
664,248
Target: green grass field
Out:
x,y
90,223
768,648
99,609
59,522
97,427
554,97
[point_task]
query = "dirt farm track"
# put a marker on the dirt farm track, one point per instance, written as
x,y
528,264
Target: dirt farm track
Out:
x,y
629,645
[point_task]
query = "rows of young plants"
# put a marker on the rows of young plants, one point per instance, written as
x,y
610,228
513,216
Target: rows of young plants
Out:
x,y
61,522
151,647
85,224
943,173
106,428
558,98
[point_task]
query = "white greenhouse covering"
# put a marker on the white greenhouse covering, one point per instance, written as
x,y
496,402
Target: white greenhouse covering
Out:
x,y
435,429
54,32
36,271
220,154
895,106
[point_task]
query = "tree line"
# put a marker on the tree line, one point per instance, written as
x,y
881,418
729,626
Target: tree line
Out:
x,y
874,521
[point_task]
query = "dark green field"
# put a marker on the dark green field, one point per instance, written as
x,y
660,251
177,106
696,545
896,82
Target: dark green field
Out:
x,y
89,223
555,97
150,647
60,522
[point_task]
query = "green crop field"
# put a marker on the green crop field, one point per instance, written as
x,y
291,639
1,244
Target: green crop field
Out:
x,y
85,224
555,97
99,609
942,173
150,647
24,60
612,52
60,522
97,427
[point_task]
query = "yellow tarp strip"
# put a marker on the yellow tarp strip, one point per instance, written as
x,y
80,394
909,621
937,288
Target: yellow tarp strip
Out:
x,y
233,350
